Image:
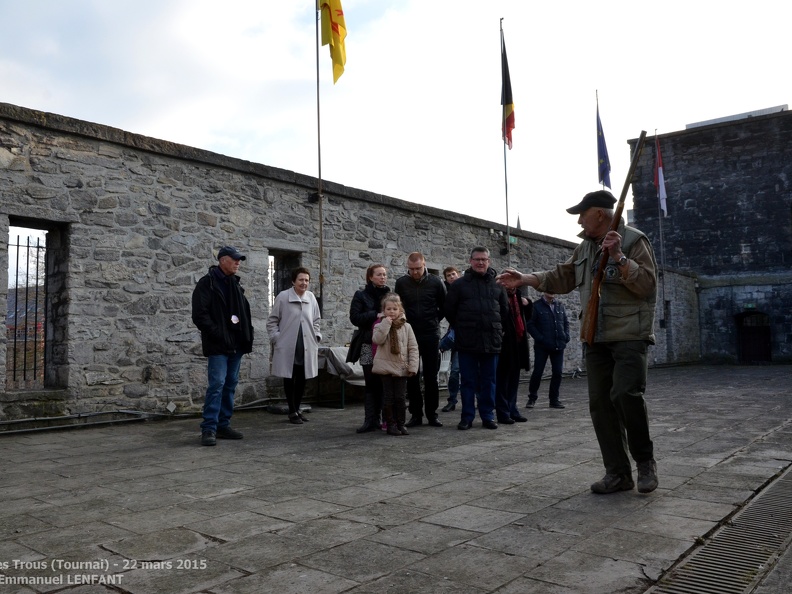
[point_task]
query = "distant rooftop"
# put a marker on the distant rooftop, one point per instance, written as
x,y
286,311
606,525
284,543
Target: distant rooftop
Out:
x,y
739,116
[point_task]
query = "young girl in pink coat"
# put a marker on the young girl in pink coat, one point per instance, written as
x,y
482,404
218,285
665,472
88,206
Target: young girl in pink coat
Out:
x,y
396,359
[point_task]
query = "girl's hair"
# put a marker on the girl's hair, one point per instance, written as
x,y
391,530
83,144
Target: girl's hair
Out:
x,y
301,270
370,270
392,298
393,333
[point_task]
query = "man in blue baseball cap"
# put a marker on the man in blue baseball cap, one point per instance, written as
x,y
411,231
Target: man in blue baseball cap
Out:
x,y
221,312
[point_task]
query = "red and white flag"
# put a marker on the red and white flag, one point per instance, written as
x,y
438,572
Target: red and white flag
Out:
x,y
659,181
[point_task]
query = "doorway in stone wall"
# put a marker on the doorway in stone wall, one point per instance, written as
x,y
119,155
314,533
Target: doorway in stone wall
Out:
x,y
26,317
754,337
281,264
37,312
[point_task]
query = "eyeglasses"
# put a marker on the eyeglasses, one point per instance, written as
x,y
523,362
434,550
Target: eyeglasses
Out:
x,y
479,259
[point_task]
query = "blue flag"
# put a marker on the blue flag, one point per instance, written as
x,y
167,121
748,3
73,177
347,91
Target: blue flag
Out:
x,y
603,162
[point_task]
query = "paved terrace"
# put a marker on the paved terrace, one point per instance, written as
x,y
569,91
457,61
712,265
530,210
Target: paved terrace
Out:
x,y
319,509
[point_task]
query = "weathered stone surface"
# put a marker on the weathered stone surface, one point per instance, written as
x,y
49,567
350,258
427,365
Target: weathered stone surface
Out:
x,y
729,189
134,222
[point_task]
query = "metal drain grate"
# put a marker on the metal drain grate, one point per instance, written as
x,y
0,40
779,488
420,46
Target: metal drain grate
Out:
x,y
740,552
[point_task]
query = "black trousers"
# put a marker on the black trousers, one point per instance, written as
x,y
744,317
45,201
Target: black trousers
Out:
x,y
429,350
294,387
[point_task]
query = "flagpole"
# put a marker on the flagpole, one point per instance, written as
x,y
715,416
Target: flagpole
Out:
x,y
662,244
506,191
319,196
505,171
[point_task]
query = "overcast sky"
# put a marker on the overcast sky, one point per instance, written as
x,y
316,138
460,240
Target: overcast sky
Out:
x,y
416,115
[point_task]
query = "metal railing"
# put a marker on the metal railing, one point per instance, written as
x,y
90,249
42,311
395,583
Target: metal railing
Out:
x,y
26,315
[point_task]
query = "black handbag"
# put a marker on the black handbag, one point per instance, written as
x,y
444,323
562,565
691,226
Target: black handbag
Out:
x,y
355,346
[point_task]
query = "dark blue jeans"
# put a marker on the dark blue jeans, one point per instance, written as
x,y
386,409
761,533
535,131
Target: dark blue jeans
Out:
x,y
453,379
478,380
541,355
223,372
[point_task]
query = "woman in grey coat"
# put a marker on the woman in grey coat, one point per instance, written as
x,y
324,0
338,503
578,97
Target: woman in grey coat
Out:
x,y
293,327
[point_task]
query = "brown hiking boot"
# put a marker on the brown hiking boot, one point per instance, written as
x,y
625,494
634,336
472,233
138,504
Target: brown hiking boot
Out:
x,y
647,476
611,483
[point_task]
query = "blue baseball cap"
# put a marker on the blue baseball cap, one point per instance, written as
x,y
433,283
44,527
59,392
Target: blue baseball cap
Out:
x,y
230,251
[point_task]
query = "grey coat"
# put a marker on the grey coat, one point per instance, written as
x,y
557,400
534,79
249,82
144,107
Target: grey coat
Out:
x,y
289,313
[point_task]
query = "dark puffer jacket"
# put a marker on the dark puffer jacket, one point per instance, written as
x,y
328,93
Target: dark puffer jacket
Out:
x,y
477,308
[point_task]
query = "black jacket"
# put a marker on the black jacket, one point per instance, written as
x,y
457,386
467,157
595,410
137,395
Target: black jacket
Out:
x,y
549,331
515,352
423,301
364,308
211,313
477,308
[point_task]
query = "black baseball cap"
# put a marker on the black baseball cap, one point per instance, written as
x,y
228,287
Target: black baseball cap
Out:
x,y
599,199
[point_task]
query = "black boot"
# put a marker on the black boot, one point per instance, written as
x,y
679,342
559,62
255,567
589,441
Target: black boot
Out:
x,y
379,412
390,419
400,409
371,422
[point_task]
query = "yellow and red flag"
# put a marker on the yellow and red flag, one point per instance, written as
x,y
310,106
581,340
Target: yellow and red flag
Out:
x,y
334,33
506,98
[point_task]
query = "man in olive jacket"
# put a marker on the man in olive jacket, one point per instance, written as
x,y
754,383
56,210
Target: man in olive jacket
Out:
x,y
616,361
221,312
477,308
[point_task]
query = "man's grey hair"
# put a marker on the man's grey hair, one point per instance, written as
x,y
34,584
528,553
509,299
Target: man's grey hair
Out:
x,y
479,249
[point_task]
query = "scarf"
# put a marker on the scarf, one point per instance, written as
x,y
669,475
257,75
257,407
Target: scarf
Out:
x,y
393,335
514,306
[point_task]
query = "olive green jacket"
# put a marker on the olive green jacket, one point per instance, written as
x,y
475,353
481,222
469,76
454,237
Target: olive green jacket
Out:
x,y
627,298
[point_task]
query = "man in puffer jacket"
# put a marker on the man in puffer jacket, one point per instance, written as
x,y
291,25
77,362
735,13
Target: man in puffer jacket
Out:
x,y
477,308
423,297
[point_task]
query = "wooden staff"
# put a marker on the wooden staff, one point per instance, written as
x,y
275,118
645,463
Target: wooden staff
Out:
x,y
592,313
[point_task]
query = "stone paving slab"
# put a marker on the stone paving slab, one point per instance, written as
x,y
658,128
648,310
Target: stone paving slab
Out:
x,y
319,509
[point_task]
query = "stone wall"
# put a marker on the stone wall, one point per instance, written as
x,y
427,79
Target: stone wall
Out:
x,y
676,319
729,221
723,298
133,222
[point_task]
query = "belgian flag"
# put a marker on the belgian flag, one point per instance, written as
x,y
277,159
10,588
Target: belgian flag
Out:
x,y
506,98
